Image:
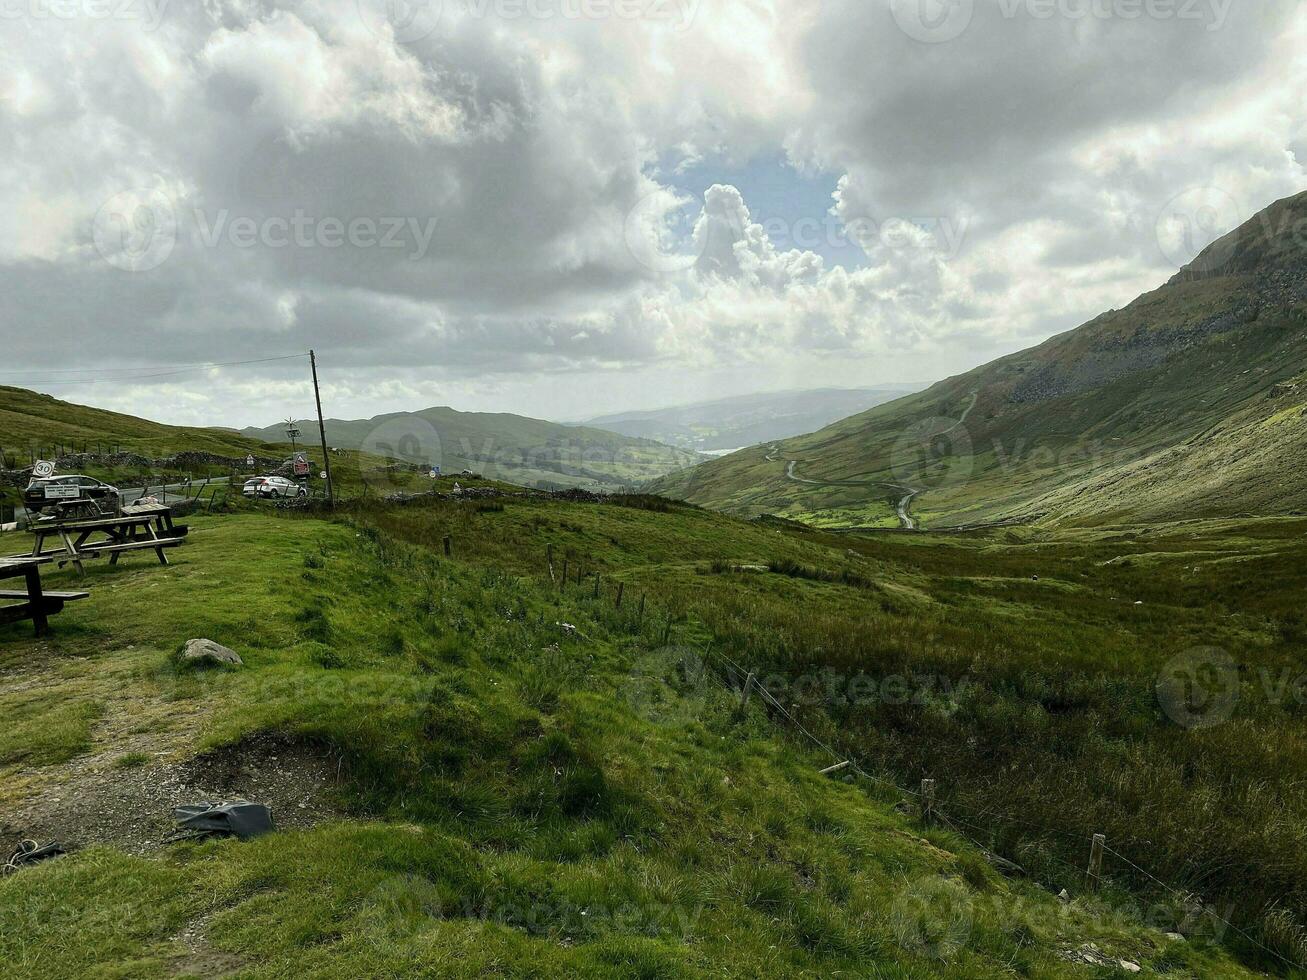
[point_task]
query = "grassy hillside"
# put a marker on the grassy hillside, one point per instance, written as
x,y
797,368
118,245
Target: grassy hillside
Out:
x,y
1188,402
520,450
31,422
37,426
478,770
729,423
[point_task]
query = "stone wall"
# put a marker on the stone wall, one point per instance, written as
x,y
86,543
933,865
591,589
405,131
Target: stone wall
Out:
x,y
184,461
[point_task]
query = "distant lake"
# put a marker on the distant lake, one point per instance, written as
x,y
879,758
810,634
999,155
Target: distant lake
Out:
x,y
721,452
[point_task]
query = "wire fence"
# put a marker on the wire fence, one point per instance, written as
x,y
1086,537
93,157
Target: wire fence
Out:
x,y
1092,873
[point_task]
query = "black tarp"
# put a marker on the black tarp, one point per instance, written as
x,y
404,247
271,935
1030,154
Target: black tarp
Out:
x,y
239,819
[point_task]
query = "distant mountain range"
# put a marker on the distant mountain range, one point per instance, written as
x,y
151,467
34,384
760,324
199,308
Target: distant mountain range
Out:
x,y
500,446
1191,401
733,423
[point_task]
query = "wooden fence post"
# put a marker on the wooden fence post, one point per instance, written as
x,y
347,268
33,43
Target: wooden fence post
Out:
x,y
562,581
448,545
620,587
549,560
1095,872
748,689
927,801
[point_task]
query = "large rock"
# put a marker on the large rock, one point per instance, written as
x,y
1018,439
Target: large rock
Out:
x,y
208,652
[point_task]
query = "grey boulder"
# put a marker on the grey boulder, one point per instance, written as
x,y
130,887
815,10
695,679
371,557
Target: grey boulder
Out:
x,y
206,651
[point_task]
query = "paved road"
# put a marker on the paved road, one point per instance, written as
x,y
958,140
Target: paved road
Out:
x,y
905,519
907,522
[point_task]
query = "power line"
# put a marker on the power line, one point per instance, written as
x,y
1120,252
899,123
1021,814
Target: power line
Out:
x,y
172,372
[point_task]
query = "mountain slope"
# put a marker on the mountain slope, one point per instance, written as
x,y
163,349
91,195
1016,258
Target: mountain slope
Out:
x,y
503,446
1187,402
728,423
31,422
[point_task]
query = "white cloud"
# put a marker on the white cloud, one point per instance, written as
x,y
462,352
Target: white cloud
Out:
x,y
1003,185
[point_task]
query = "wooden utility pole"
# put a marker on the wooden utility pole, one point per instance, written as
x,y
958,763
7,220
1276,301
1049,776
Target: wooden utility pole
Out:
x,y
322,430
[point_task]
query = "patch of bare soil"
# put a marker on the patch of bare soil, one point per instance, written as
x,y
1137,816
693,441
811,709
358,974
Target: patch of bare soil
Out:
x,y
132,808
197,958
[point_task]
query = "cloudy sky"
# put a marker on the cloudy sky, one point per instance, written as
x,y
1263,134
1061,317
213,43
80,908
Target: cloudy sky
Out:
x,y
570,207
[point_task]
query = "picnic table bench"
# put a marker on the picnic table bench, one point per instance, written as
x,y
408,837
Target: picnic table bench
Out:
x,y
130,532
36,605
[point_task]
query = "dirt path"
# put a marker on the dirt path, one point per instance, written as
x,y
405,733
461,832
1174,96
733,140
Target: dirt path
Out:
x,y
965,412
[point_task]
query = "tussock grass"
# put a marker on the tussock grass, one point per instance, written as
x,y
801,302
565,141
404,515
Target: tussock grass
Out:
x,y
1030,673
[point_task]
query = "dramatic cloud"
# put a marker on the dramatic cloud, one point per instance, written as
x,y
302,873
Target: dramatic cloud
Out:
x,y
473,203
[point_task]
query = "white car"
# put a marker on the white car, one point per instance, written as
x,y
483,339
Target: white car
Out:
x,y
273,486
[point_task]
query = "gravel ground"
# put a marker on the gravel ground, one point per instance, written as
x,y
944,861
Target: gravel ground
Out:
x,y
101,803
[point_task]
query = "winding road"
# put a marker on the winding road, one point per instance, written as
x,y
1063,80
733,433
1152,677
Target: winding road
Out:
x,y
905,519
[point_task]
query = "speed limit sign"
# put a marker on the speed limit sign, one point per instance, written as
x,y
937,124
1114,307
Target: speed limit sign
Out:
x,y
43,468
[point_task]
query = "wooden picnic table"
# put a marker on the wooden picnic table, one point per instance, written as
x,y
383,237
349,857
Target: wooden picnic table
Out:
x,y
37,605
130,532
162,514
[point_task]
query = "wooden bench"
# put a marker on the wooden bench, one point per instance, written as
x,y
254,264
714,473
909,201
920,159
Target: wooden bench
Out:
x,y
49,603
135,544
130,532
35,604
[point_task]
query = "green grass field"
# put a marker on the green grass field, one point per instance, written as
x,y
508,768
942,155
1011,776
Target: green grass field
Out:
x,y
513,796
